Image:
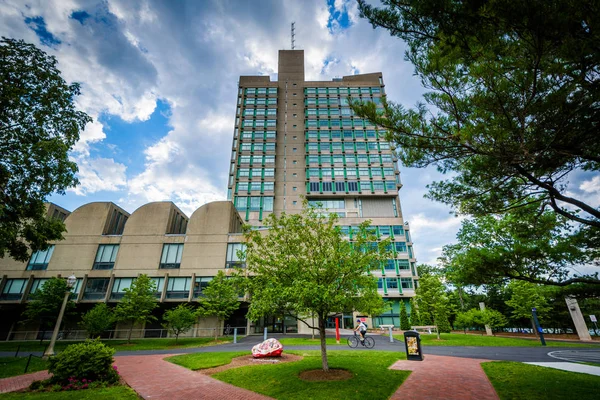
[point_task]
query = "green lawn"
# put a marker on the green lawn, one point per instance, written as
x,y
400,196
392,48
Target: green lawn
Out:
x,y
372,379
311,342
513,380
12,366
120,345
205,360
458,339
115,392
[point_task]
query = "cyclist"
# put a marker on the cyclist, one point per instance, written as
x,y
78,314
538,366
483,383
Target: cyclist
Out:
x,y
362,329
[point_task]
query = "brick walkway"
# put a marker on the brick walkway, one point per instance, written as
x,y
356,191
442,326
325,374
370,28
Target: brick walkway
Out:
x,y
448,378
21,382
153,378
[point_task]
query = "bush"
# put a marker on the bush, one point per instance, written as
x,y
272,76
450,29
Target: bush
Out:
x,y
90,360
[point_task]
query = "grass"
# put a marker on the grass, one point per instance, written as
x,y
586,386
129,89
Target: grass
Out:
x,y
115,392
13,366
205,360
371,377
311,342
120,345
513,380
457,339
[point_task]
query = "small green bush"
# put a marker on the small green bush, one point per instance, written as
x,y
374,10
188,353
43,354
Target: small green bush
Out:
x,y
90,360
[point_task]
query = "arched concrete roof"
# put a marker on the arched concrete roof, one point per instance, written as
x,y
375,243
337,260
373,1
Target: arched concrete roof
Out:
x,y
151,219
217,217
90,218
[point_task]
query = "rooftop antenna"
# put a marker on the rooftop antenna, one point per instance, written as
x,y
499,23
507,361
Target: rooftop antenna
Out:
x,y
293,35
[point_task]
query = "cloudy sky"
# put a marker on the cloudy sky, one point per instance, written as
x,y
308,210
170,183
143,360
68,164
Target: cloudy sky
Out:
x,y
160,78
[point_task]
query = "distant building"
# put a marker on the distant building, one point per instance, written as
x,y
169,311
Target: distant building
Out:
x,y
292,138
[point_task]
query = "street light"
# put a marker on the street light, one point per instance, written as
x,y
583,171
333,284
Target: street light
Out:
x,y
71,280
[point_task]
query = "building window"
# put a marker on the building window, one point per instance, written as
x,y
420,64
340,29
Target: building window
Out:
x,y
200,284
119,286
327,203
233,260
407,283
36,285
95,288
400,247
160,284
171,256
116,224
105,257
389,265
391,283
178,288
40,259
13,290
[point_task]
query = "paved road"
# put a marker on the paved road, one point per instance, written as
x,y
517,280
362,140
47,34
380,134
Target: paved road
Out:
x,y
585,355
523,354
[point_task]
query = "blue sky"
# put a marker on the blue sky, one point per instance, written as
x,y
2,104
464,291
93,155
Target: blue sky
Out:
x,y
160,80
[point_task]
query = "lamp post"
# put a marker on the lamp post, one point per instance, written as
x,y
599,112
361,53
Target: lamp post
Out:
x,y
71,280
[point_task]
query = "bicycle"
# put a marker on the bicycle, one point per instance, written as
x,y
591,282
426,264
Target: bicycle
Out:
x,y
353,341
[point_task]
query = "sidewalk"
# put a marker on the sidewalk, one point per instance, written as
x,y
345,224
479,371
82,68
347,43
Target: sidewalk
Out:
x,y
153,378
444,378
21,382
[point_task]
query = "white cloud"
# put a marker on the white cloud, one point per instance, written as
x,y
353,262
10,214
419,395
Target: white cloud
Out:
x,y
591,186
100,174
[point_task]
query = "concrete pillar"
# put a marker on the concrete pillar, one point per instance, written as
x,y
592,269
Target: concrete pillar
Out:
x,y
577,317
488,330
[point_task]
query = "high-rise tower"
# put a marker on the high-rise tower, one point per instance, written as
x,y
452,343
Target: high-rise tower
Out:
x,y
297,138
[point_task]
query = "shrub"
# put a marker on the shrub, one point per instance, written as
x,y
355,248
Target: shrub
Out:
x,y
90,360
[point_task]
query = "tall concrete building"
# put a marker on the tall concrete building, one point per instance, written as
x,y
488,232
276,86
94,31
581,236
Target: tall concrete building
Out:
x,y
296,139
292,138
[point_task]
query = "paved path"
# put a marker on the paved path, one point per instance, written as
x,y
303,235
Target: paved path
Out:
x,y
569,366
21,382
153,378
444,378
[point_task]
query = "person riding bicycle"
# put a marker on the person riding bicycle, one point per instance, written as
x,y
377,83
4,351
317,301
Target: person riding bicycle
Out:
x,y
362,329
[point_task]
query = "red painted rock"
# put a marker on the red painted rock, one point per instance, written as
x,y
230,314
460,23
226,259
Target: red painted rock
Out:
x,y
268,348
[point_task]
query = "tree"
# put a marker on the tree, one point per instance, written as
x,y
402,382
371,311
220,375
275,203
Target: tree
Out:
x,y
494,319
526,296
523,244
511,110
38,126
97,320
180,319
137,303
46,302
415,319
302,266
220,299
404,322
432,301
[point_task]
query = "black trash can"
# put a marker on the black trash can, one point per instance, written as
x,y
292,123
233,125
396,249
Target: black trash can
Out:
x,y
412,341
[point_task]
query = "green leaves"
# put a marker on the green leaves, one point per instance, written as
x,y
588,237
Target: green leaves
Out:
x,y
526,244
46,302
137,303
97,320
511,108
180,319
39,125
220,298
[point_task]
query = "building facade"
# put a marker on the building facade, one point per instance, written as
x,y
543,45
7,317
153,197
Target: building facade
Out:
x,y
293,139
296,139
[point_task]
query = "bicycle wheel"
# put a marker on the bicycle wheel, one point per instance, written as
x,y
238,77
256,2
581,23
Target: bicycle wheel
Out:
x,y
369,342
353,341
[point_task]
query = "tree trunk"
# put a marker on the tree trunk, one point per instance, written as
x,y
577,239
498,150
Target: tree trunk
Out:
x,y
130,331
323,343
535,332
437,328
217,329
176,338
